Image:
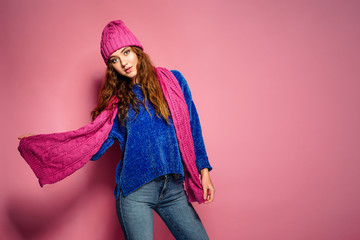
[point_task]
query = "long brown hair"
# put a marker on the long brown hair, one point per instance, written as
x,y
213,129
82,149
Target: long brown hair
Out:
x,y
120,87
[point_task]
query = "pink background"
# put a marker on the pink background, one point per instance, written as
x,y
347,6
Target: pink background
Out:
x,y
276,85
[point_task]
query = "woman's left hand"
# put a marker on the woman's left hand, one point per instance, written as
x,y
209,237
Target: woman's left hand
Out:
x,y
208,188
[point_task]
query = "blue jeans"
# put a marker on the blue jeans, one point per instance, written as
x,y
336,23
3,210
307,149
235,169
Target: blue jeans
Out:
x,y
166,196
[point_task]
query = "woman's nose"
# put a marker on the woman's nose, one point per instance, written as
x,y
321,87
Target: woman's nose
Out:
x,y
123,62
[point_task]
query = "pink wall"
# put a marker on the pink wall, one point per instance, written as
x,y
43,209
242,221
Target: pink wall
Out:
x,y
276,85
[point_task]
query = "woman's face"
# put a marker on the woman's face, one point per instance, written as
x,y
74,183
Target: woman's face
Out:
x,y
124,61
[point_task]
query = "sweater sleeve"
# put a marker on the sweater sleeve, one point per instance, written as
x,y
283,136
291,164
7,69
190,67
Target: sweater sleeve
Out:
x,y
108,143
117,133
202,160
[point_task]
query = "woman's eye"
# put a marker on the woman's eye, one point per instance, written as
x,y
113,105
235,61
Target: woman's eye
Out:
x,y
114,60
127,52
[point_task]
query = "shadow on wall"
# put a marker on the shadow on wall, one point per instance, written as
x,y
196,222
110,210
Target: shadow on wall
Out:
x,y
33,220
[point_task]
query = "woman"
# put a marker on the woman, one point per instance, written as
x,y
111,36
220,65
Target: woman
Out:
x,y
160,137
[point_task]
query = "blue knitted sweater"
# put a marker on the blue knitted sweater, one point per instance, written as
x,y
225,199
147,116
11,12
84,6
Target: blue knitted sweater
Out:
x,y
149,145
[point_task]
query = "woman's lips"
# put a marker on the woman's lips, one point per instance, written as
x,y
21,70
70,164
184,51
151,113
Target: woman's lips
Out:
x,y
127,70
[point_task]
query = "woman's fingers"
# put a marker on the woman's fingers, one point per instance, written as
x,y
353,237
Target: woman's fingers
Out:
x,y
208,188
205,193
24,136
210,194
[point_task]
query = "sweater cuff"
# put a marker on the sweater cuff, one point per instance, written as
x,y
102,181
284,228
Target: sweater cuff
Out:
x,y
204,165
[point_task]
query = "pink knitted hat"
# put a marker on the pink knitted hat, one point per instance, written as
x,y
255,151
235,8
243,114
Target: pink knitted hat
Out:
x,y
115,36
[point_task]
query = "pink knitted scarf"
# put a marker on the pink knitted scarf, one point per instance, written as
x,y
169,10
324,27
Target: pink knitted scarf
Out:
x,y
55,156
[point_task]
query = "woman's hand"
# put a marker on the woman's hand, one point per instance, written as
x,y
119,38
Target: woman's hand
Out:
x,y
24,136
208,188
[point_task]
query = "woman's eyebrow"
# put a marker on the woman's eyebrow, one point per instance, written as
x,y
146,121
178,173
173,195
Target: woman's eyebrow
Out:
x,y
124,49
113,56
121,52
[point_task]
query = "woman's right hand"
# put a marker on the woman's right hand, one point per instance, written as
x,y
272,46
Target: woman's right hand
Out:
x,y
25,135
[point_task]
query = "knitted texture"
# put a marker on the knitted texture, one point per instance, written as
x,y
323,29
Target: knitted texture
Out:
x,y
116,36
180,115
55,156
